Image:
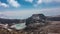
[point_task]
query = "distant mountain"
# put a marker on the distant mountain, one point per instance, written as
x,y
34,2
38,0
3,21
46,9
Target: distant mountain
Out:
x,y
53,18
11,21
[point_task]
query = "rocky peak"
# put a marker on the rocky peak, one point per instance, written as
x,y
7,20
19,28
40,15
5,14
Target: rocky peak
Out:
x,y
38,16
36,20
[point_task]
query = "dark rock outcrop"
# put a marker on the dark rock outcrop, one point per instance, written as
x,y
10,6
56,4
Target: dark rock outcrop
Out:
x,y
36,20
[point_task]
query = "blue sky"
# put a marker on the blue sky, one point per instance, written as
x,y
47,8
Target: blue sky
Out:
x,y
22,9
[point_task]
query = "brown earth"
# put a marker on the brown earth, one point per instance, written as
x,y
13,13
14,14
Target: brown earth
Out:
x,y
52,28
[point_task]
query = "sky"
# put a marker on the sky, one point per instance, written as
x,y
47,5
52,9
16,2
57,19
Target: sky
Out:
x,y
22,9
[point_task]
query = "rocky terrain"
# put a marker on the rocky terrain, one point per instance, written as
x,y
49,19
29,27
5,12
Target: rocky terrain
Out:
x,y
36,24
36,20
52,28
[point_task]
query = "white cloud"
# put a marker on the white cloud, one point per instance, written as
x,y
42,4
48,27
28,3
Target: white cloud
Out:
x,y
27,13
29,1
39,1
45,1
14,3
51,11
18,14
4,5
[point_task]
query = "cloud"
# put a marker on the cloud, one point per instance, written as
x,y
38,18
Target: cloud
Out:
x,y
47,1
18,14
4,5
23,14
13,3
51,11
53,0
29,1
39,2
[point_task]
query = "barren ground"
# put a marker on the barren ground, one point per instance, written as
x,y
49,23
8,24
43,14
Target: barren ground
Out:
x,y
52,28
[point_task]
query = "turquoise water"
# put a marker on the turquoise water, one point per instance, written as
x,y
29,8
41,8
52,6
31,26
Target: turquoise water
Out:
x,y
19,26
